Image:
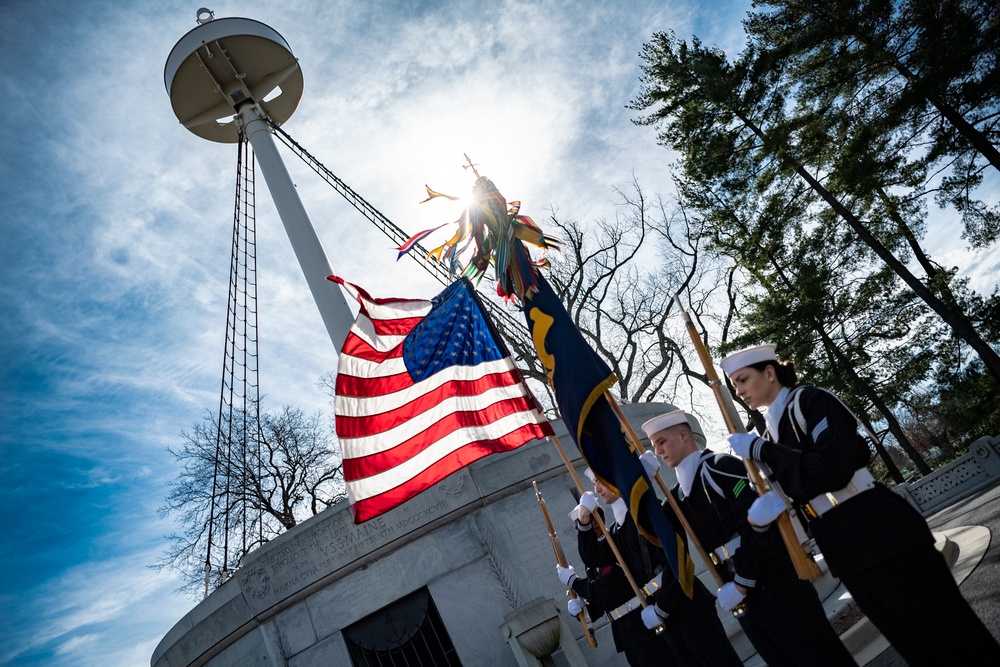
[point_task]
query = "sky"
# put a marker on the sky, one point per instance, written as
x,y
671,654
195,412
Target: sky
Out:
x,y
116,225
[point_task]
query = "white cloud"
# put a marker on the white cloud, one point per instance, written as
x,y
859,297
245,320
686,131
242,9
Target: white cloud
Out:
x,y
97,613
123,220
78,645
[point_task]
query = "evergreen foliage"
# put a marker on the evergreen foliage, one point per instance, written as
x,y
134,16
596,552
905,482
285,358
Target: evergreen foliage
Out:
x,y
842,112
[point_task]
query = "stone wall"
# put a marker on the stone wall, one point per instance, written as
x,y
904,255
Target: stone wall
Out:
x,y
976,470
476,541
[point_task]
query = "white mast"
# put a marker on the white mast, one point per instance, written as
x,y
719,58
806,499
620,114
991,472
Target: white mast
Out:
x,y
231,66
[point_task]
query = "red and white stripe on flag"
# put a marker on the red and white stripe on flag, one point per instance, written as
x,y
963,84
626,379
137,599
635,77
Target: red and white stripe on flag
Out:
x,y
423,389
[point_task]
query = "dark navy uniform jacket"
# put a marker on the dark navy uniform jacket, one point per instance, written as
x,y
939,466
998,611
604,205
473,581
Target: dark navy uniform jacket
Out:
x,y
822,455
717,509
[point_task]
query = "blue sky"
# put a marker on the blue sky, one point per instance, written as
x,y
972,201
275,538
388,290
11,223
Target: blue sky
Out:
x,y
116,227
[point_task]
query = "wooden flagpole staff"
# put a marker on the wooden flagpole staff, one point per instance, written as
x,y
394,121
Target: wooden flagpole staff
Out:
x,y
604,530
709,563
561,559
805,566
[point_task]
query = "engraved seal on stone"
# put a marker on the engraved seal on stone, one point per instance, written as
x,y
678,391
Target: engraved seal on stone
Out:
x,y
256,582
539,462
454,489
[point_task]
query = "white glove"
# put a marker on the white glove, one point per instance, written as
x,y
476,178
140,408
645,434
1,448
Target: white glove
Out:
x,y
566,574
650,463
575,606
729,596
766,509
589,501
744,444
653,617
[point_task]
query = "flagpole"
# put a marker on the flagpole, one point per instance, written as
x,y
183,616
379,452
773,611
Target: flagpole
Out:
x,y
604,530
579,485
805,566
561,560
709,563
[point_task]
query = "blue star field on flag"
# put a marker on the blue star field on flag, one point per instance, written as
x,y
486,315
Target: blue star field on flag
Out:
x,y
454,333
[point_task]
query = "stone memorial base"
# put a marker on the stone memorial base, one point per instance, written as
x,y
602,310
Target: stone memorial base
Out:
x,y
465,568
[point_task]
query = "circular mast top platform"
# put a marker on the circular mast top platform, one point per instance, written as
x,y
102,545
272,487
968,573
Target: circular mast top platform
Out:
x,y
233,74
224,64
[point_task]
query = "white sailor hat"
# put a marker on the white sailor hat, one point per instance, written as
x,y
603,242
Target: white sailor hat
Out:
x,y
747,357
657,424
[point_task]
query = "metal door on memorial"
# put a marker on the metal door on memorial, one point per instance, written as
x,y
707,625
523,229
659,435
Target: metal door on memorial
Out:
x,y
407,633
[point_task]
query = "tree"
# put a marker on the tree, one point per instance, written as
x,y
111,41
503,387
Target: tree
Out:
x,y
731,125
590,275
234,494
620,293
963,406
619,290
848,330
925,71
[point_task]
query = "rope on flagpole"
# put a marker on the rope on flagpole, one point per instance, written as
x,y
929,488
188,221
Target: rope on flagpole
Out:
x,y
232,511
511,326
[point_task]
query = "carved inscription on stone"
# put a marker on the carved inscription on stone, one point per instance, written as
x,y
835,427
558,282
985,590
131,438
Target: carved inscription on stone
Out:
x,y
383,582
247,652
326,547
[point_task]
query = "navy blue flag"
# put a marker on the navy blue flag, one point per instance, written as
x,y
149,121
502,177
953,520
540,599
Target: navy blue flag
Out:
x,y
580,379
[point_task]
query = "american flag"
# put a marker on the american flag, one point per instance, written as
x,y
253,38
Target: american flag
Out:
x,y
423,389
